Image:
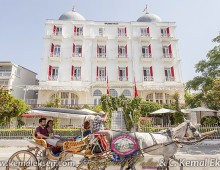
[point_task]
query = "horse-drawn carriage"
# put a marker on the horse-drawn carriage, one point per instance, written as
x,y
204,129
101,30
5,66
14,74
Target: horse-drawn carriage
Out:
x,y
124,148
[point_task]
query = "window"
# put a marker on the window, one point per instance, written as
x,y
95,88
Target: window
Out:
x,y
56,95
79,31
123,51
101,51
122,32
17,71
166,52
74,99
56,52
123,74
149,97
127,93
159,98
165,32
64,97
113,92
145,32
97,93
168,99
101,31
148,74
58,31
146,51
97,101
5,71
54,73
4,82
78,51
77,73
101,74
168,74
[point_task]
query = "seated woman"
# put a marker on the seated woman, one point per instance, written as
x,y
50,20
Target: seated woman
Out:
x,y
49,127
87,128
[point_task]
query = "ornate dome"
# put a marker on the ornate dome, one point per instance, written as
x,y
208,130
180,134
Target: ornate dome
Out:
x,y
72,15
149,18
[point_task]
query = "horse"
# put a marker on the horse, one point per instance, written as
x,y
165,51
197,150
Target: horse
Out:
x,y
159,143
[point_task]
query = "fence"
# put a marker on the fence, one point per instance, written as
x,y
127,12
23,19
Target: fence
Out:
x,y
201,129
14,133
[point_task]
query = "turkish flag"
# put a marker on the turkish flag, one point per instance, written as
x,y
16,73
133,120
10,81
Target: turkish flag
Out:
x,y
107,86
135,88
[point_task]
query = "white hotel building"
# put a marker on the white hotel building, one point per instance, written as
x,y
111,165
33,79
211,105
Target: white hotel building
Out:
x,y
79,54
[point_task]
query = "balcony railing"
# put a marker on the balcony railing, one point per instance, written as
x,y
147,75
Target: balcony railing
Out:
x,y
168,78
5,74
123,55
101,78
53,78
79,34
146,55
145,35
123,78
58,34
148,78
167,55
77,55
76,78
102,55
165,35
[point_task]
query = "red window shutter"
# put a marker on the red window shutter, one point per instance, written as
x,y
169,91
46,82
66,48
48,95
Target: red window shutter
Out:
x,y
54,30
126,50
168,31
149,48
72,73
125,31
118,50
170,50
148,31
151,71
97,73
52,49
172,71
118,73
105,73
127,72
105,50
97,50
73,49
74,30
50,71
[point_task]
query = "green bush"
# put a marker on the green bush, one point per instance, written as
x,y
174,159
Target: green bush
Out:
x,y
178,117
148,107
210,120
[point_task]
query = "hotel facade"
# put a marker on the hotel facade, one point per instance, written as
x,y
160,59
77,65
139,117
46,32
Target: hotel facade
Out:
x,y
79,55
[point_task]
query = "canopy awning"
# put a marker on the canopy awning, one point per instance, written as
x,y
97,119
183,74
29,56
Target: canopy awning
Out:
x,y
163,110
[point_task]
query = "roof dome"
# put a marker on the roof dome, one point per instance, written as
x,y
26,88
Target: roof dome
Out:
x,y
72,15
149,18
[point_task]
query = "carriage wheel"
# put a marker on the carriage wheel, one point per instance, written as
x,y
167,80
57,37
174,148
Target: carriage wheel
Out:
x,y
87,165
22,160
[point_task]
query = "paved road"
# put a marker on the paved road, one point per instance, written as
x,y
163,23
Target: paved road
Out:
x,y
209,154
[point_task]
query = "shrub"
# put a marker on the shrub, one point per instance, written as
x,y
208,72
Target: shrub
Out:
x,y
148,107
178,117
210,120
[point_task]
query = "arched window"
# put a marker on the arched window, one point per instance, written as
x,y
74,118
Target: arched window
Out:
x,y
127,93
74,99
97,93
113,92
149,97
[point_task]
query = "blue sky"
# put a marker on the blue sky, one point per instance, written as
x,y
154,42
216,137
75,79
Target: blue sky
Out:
x,y
23,25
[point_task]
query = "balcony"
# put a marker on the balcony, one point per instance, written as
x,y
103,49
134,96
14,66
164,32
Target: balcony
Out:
x,y
102,38
77,57
145,38
53,78
101,78
123,78
169,78
5,74
58,36
78,36
55,57
148,78
122,38
76,78
165,38
146,57
167,57
101,55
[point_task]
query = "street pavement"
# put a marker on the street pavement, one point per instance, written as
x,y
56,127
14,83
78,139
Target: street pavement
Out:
x,y
207,155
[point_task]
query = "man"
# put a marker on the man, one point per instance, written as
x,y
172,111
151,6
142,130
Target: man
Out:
x,y
98,121
42,131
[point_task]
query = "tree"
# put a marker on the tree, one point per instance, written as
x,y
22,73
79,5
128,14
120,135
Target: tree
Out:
x,y
9,106
205,84
148,107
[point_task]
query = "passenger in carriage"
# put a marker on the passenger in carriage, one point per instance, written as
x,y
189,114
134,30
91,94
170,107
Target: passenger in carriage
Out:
x,y
42,131
87,128
98,121
49,127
